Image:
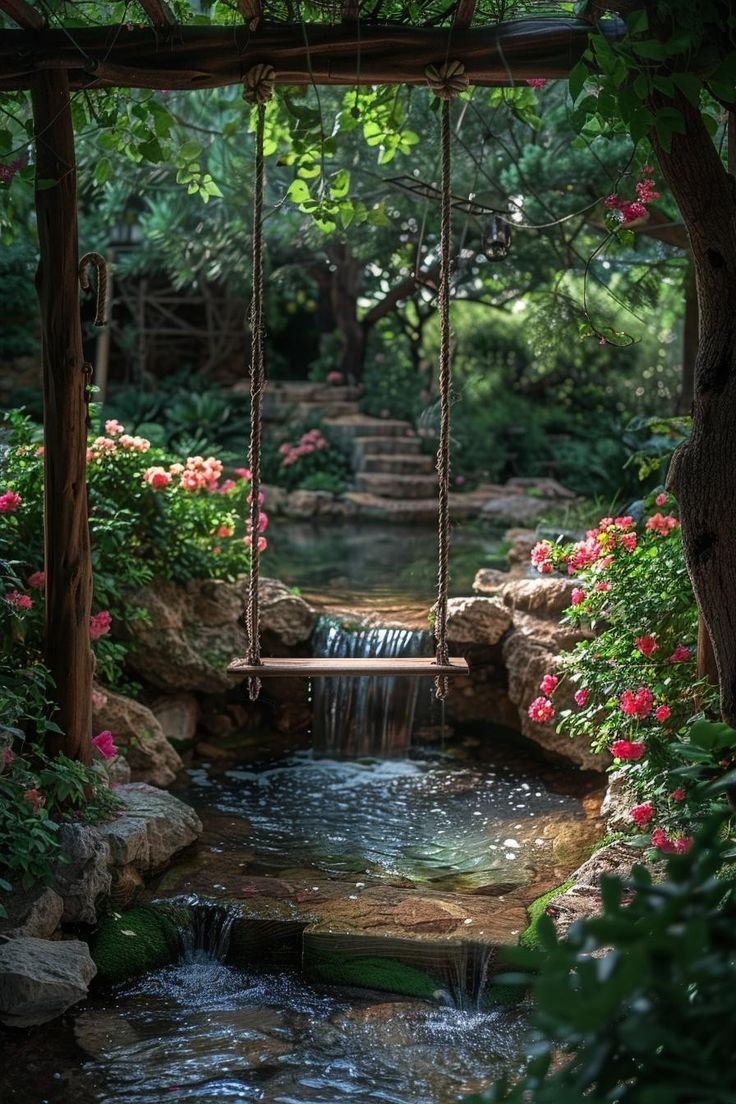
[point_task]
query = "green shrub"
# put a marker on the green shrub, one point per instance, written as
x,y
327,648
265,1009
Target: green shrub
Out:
x,y
309,460
636,1006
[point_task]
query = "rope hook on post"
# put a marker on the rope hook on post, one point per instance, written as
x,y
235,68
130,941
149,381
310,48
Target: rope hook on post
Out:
x,y
446,81
257,89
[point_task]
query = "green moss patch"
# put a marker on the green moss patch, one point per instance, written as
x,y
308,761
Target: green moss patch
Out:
x,y
529,937
127,944
369,972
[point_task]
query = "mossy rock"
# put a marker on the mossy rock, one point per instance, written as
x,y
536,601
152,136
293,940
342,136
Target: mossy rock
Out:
x,y
127,944
529,938
369,972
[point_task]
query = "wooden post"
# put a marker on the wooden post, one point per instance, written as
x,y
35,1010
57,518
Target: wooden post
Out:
x,y
68,563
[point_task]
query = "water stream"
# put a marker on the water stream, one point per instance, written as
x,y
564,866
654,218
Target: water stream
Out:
x,y
366,716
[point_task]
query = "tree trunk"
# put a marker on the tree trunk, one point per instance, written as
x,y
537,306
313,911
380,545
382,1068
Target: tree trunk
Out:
x,y
67,545
690,338
347,280
703,472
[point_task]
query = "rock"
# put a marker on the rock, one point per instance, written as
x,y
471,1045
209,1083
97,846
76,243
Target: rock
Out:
x,y
545,487
489,580
531,650
514,509
140,737
40,979
177,714
544,596
195,630
619,800
84,879
34,912
307,504
521,542
134,942
126,885
476,620
614,858
154,826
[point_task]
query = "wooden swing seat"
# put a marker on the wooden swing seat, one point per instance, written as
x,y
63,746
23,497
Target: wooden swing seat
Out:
x,y
402,667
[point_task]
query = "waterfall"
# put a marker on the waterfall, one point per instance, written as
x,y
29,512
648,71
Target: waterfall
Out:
x,y
205,936
353,717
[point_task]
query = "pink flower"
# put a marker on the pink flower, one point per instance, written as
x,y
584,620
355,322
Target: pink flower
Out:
x,y
629,541
99,624
541,710
157,478
577,596
626,749
333,377
683,844
243,473
612,202
624,522
20,601
662,713
602,587
35,799
581,697
37,581
633,212
224,531
9,502
113,427
262,543
537,82
637,704
262,522
459,480
680,655
661,500
540,554
678,794
661,524
642,814
548,684
647,645
227,485
660,840
99,699
105,744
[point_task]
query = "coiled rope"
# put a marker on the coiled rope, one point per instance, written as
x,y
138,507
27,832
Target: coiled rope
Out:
x,y
257,89
446,81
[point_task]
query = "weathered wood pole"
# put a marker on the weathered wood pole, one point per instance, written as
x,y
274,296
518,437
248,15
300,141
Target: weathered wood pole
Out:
x,y
68,562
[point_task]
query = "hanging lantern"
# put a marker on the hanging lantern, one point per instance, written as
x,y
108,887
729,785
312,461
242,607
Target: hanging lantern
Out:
x,y
496,238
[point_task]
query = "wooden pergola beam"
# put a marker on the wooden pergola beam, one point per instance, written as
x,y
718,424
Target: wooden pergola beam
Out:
x,y
24,14
159,13
210,57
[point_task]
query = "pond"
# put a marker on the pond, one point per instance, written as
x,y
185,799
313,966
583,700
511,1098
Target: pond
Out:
x,y
372,565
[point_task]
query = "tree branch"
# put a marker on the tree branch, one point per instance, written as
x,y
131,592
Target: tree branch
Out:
x,y
24,14
159,13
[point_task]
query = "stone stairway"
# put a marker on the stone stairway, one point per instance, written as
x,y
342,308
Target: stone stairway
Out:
x,y
288,400
387,457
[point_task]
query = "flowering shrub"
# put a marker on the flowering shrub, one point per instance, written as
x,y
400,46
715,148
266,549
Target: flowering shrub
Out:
x,y
152,515
311,462
37,793
636,687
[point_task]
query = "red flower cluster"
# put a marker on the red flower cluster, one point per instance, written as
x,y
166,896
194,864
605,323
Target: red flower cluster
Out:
x,y
635,210
9,502
99,624
647,645
637,703
662,524
626,749
541,710
642,814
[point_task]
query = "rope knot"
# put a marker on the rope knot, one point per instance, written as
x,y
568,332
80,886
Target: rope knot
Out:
x,y
258,84
447,80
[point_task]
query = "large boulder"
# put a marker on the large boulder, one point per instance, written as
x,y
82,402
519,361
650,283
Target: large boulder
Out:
x,y
476,620
139,736
36,912
193,631
40,979
544,596
178,715
83,879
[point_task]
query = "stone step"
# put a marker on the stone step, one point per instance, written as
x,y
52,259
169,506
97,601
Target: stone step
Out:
x,y
385,446
327,409
294,391
398,464
396,486
348,427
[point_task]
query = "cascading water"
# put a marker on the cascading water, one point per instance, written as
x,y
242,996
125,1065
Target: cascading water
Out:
x,y
354,717
205,932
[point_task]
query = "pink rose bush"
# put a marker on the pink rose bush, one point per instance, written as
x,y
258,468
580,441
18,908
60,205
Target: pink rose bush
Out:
x,y
631,690
310,461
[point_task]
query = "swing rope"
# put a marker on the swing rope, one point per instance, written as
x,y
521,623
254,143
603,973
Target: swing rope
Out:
x,y
446,81
257,89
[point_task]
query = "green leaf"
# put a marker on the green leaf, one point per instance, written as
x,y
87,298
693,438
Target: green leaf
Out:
x,y
578,76
298,191
103,171
190,151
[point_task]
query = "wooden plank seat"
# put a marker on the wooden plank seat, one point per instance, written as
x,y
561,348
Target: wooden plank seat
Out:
x,y
402,667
